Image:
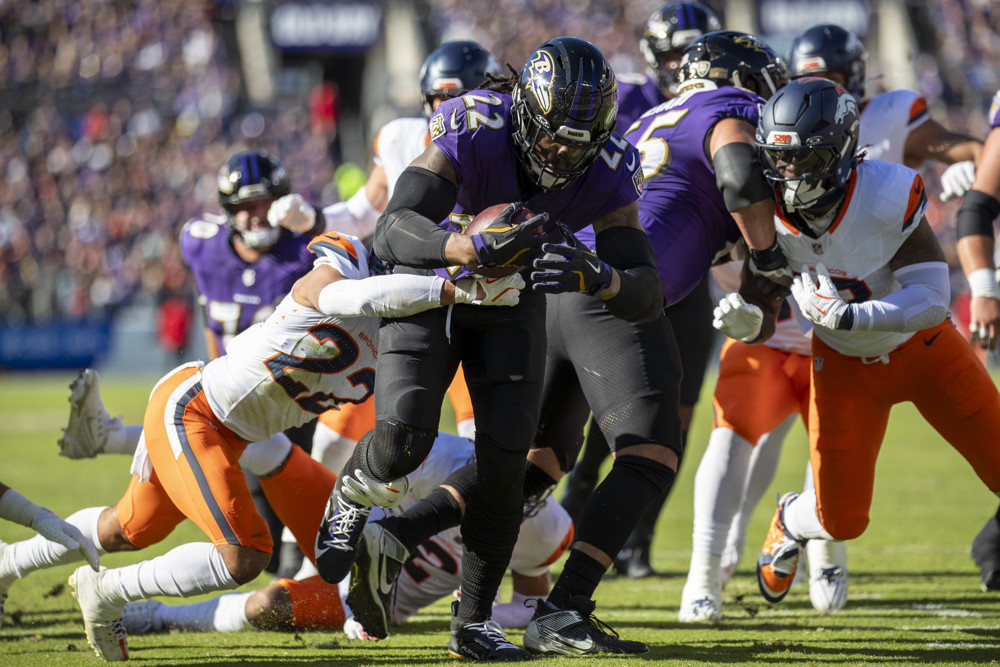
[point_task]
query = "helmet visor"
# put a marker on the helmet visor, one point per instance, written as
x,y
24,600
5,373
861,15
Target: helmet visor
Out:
x,y
561,155
798,162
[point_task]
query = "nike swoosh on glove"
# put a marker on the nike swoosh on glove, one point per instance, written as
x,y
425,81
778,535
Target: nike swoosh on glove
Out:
x,y
570,268
504,291
738,319
819,301
507,244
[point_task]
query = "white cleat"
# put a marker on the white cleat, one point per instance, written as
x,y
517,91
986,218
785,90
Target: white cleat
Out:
x,y
139,617
827,575
89,424
705,609
102,620
7,575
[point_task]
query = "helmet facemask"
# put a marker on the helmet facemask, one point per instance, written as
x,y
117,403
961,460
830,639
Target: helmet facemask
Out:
x,y
247,178
807,176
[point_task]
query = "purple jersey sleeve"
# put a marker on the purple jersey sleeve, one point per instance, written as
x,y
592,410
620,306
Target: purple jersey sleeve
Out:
x,y
681,208
474,132
994,115
636,96
235,294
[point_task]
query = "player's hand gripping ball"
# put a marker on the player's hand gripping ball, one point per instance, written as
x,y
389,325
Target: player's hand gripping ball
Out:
x,y
508,237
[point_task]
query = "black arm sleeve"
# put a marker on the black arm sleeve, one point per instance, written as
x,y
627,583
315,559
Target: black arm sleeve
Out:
x,y
640,298
407,232
976,215
739,176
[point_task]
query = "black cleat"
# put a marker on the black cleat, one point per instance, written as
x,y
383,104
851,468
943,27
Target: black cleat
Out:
x,y
574,630
379,561
986,553
484,641
339,537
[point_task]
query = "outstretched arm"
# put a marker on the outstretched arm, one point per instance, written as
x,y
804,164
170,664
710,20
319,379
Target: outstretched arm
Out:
x,y
15,507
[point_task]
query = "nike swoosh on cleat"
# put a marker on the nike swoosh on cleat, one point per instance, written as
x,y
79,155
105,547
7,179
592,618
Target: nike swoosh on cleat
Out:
x,y
384,583
930,341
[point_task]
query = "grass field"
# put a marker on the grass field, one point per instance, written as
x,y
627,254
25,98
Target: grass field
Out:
x,y
915,596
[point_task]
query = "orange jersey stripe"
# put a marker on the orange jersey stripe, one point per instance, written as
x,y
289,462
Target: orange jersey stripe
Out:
x,y
917,202
918,109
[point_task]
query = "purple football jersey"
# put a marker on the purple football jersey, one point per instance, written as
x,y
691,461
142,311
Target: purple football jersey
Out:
x,y
994,114
637,94
236,294
681,207
474,132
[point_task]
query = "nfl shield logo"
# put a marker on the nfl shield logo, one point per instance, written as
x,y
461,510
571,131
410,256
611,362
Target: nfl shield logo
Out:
x,y
249,277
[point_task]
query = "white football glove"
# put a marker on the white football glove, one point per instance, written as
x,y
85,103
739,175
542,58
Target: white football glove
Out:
x,y
819,301
499,291
54,529
957,179
737,319
293,213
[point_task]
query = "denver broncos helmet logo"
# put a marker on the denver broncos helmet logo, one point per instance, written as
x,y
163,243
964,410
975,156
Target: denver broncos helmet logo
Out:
x,y
845,105
540,69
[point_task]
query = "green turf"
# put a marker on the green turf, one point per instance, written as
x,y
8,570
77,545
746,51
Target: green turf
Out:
x,y
914,598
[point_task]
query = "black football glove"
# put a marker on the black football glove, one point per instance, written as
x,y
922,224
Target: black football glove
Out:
x,y
570,268
771,264
506,244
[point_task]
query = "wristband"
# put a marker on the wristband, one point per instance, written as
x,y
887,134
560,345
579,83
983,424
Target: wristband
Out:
x,y
15,507
769,258
983,282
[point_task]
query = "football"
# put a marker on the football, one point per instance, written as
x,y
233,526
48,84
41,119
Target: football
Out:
x,y
483,220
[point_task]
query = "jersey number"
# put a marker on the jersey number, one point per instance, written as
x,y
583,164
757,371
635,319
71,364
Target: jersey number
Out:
x,y
320,402
655,151
445,561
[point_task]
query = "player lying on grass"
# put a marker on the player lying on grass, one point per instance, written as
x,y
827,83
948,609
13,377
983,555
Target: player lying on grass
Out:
x,y
317,350
427,572
18,509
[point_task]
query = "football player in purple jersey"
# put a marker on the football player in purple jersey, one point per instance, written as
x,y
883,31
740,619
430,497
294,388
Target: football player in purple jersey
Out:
x,y
974,228
668,32
544,139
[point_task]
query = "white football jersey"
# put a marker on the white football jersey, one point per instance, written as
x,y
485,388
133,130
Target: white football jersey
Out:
x,y
435,571
886,122
885,203
299,362
397,144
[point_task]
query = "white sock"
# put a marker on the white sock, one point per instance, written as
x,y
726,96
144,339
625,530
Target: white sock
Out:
x,y
263,458
762,469
225,613
122,439
718,489
801,520
190,569
38,553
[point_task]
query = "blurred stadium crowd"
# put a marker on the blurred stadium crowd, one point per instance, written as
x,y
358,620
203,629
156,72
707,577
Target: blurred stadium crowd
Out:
x,y
116,115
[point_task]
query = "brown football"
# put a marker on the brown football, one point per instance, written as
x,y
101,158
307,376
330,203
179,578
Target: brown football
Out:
x,y
483,220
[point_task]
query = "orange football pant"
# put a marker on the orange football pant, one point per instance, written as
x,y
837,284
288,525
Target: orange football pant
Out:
x,y
936,370
196,471
758,387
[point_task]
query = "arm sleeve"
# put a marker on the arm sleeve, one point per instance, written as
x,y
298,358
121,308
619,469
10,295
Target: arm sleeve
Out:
x,y
628,250
922,302
381,296
408,233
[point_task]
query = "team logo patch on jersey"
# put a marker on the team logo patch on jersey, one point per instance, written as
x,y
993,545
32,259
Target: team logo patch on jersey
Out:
x,y
637,181
249,277
540,70
817,364
437,126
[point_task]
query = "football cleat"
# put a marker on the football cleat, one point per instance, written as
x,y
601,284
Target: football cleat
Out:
x,y
484,641
7,575
86,433
339,536
102,620
706,609
380,558
574,630
827,575
986,553
139,617
3,601
365,490
779,556
633,562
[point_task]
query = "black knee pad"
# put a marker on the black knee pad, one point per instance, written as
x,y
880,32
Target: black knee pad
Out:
x,y
397,450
